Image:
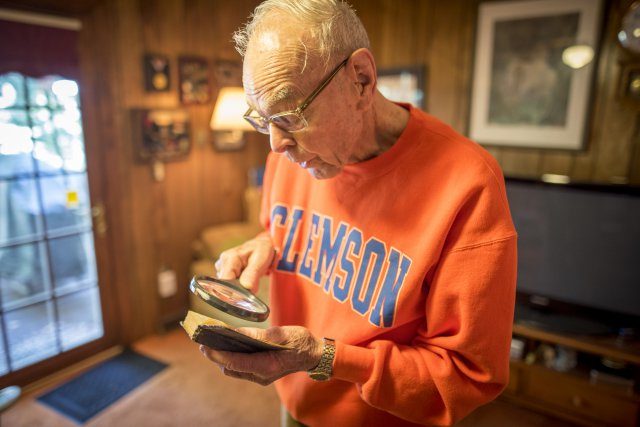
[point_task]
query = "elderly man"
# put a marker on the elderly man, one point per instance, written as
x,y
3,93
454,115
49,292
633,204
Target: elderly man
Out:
x,y
389,241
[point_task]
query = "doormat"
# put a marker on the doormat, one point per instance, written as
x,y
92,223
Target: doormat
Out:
x,y
84,396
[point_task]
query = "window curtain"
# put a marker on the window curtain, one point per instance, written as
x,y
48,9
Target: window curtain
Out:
x,y
38,51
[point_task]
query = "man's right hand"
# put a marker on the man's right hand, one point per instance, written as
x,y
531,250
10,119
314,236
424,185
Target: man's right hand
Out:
x,y
247,262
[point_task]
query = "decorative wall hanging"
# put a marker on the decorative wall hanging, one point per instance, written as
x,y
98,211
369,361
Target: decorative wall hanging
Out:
x,y
195,82
156,73
630,84
160,135
227,73
524,95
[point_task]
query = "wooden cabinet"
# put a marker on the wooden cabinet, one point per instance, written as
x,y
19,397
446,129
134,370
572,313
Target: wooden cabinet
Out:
x,y
571,395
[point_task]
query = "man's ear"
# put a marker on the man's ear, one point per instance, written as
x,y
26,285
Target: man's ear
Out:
x,y
363,73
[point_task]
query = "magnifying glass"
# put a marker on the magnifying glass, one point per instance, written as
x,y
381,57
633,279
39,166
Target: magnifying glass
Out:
x,y
231,297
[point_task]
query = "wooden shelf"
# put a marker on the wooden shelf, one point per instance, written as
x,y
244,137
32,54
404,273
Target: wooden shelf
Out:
x,y
571,395
603,346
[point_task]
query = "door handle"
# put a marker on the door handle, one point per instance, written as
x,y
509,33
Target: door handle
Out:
x,y
98,213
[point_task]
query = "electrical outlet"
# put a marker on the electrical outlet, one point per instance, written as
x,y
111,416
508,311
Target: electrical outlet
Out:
x,y
167,283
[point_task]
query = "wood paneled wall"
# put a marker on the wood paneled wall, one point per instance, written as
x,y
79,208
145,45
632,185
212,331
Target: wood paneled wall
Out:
x,y
153,224
441,35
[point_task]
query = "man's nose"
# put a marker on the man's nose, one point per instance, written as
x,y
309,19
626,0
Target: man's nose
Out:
x,y
280,139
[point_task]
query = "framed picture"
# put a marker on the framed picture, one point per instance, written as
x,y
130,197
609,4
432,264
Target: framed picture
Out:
x,y
630,84
227,73
195,84
160,135
523,94
156,73
404,84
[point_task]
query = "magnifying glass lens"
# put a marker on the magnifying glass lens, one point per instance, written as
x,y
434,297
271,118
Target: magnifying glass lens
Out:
x,y
230,296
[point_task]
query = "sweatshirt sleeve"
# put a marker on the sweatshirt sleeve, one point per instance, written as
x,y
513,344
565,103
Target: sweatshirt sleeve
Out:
x,y
460,359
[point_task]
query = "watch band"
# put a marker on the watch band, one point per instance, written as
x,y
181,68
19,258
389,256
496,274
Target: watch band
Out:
x,y
324,370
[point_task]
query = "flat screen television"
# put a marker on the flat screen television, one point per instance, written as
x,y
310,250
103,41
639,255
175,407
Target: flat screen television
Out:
x,y
578,255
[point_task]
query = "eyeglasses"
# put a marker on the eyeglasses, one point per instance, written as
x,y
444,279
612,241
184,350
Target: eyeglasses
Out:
x,y
292,120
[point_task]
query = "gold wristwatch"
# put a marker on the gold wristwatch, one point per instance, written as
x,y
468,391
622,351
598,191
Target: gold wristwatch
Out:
x,y
324,370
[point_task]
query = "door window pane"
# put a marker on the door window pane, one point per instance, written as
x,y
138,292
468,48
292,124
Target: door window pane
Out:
x,y
12,91
31,334
69,139
40,93
23,274
4,367
16,144
19,210
46,152
80,318
47,258
73,262
66,202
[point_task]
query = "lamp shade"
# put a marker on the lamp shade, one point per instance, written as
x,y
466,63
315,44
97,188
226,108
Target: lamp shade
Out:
x,y
230,106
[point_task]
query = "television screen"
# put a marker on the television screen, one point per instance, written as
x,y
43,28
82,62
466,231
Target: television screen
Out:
x,y
578,244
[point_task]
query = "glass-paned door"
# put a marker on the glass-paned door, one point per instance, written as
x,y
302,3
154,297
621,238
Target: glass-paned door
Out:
x,y
49,296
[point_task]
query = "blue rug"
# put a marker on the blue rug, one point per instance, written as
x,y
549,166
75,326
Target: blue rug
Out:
x,y
86,395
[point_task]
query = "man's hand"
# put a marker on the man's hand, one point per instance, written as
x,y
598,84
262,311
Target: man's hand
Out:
x,y
247,262
266,367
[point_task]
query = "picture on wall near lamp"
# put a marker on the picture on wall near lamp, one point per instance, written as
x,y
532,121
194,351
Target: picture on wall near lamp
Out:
x,y
160,135
227,73
195,81
533,73
404,84
630,84
156,73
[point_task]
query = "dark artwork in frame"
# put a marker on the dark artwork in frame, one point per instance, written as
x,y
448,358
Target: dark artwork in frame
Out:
x,y
195,80
157,76
630,84
227,72
160,135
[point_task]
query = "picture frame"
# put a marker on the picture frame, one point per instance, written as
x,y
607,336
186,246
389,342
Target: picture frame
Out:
x,y
404,84
157,77
523,95
195,80
630,84
227,72
160,135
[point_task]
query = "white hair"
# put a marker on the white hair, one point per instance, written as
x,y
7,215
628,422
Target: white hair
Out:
x,y
333,26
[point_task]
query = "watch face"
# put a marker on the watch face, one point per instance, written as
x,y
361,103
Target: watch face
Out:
x,y
629,34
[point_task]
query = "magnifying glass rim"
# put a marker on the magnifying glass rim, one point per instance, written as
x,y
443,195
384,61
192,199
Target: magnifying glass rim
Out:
x,y
251,315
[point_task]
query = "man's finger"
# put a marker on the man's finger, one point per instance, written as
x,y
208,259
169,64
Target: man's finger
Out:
x,y
246,376
229,266
257,333
258,262
250,278
240,362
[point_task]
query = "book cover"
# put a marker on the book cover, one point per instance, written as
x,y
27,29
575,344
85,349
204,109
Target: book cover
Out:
x,y
219,336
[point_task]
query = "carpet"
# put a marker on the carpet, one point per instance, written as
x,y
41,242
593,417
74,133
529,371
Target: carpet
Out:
x,y
84,396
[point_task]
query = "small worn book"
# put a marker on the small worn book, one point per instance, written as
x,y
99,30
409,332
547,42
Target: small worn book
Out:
x,y
219,336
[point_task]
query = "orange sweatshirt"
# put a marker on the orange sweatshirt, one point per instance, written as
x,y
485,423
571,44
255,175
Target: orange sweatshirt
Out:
x,y
408,261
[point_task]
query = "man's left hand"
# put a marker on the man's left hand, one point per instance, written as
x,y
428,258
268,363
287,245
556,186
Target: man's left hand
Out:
x,y
267,366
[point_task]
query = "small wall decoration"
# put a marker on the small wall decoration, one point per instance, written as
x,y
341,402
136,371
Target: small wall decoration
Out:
x,y
160,135
156,73
524,95
195,84
227,73
404,84
630,84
